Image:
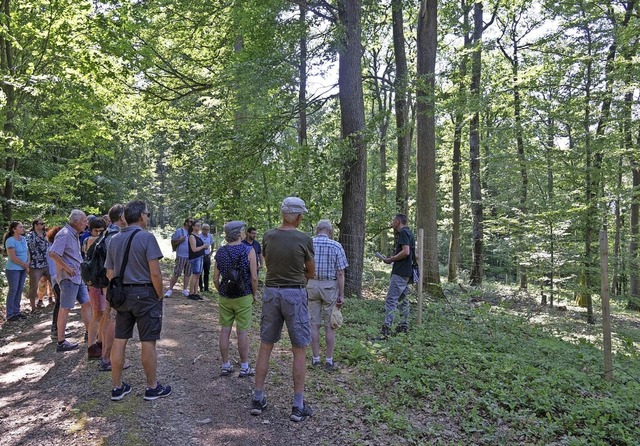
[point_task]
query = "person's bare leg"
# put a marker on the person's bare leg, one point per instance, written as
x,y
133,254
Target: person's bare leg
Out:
x,y
262,365
330,339
315,340
117,361
150,362
223,342
299,368
63,316
243,345
85,311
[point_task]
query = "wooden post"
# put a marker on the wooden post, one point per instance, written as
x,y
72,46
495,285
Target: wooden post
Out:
x,y
606,314
420,263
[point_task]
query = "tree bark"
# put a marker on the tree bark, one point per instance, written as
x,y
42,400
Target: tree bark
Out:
x,y
474,150
426,153
403,127
302,94
7,70
454,243
352,224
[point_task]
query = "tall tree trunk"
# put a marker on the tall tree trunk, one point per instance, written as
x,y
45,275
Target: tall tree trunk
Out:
x,y
352,224
590,207
302,94
615,280
402,109
634,274
474,150
454,243
426,152
383,100
551,195
7,69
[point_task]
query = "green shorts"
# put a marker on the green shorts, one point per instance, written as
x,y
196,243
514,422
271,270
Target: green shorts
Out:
x,y
239,309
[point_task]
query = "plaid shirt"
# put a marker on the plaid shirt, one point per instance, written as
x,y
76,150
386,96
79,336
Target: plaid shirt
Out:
x,y
330,257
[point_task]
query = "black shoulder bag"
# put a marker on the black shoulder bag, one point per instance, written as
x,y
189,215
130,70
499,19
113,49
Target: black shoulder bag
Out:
x,y
115,291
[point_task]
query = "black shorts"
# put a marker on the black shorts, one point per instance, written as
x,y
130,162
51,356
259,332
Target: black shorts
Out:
x,y
143,308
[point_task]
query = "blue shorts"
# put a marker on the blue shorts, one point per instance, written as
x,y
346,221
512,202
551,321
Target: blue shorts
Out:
x,y
71,292
280,305
196,265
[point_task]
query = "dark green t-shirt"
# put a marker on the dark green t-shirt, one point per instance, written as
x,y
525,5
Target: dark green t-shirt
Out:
x,y
403,268
285,254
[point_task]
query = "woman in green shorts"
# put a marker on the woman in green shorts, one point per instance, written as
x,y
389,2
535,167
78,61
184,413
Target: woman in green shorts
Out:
x,y
235,276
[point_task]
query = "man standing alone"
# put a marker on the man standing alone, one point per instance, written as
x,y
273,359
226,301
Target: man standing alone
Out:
x,y
290,263
326,290
142,286
401,275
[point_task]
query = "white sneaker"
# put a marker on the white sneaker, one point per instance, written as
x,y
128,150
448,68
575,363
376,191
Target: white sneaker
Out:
x,y
186,293
168,293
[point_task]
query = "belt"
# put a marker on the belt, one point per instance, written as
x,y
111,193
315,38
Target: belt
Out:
x,y
297,287
137,285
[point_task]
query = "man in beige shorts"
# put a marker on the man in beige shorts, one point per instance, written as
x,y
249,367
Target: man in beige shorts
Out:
x,y
326,291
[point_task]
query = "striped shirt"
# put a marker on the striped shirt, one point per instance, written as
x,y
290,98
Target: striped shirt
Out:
x,y
329,257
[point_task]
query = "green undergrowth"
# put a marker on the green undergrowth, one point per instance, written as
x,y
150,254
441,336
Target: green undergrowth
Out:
x,y
474,376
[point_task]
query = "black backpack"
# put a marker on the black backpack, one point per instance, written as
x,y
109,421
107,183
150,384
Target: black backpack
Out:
x,y
92,267
233,281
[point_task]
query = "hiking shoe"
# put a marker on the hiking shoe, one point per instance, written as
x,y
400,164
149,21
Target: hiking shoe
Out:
x,y
66,346
402,328
246,372
226,370
13,318
168,293
193,297
186,293
159,392
117,393
315,364
94,352
298,414
258,406
331,366
104,366
21,316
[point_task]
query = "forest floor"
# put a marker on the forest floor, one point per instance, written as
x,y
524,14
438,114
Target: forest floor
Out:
x,y
50,398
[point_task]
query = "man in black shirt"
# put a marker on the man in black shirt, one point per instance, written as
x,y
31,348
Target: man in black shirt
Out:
x,y
401,275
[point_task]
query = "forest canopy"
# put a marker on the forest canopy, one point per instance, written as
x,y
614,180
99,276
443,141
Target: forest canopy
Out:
x,y
527,124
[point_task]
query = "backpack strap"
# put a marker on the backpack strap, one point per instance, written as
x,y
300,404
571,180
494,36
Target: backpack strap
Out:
x,y
125,259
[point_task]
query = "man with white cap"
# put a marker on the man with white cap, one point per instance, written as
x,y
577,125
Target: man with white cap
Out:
x,y
289,258
326,290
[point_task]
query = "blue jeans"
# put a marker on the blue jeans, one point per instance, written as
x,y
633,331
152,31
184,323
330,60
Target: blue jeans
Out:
x,y
196,265
397,300
16,278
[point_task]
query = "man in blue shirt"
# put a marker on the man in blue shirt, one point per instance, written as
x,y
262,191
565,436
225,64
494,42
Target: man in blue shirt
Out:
x,y
325,290
180,242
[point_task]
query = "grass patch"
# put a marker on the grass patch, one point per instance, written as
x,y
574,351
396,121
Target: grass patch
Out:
x,y
476,375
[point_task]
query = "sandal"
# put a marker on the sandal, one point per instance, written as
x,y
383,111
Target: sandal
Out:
x,y
226,371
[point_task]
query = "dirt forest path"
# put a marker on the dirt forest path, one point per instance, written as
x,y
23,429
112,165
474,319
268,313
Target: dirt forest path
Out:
x,y
50,398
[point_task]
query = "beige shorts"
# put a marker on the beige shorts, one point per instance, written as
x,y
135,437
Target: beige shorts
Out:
x,y
323,295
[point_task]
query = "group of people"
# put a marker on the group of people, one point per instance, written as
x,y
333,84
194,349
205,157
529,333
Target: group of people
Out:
x,y
304,283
